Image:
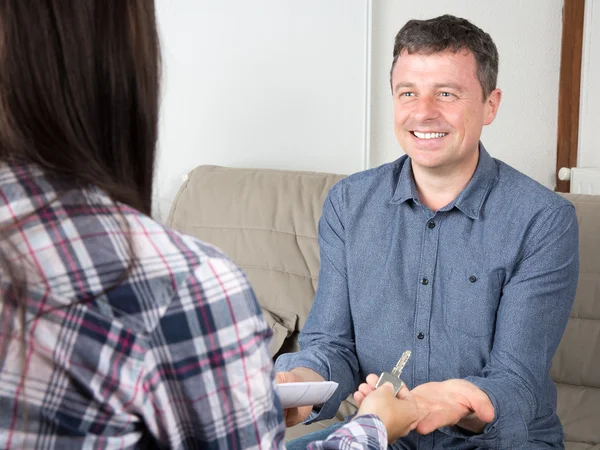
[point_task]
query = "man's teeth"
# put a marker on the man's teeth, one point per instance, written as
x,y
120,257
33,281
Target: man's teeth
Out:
x,y
429,135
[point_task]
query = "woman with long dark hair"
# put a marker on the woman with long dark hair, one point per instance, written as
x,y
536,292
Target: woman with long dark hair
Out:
x,y
115,332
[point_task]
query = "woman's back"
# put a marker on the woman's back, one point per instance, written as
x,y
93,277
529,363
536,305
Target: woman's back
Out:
x,y
115,332
174,354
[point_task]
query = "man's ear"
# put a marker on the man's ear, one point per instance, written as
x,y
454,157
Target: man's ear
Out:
x,y
491,106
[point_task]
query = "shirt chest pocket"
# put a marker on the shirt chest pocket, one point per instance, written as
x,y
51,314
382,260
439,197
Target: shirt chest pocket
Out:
x,y
470,300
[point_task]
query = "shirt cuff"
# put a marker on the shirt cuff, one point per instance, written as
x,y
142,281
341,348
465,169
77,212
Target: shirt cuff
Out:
x,y
367,431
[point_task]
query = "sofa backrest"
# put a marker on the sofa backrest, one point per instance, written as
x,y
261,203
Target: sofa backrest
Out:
x,y
266,221
576,365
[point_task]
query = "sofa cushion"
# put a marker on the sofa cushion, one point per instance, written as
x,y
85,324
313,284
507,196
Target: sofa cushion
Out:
x,y
266,221
283,323
576,365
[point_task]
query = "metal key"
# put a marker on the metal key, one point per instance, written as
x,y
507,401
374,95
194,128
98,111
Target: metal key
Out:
x,y
394,376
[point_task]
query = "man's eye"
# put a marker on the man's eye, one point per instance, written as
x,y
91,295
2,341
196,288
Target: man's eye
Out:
x,y
445,94
407,94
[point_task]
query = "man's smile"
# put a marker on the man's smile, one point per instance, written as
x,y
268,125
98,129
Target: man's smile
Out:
x,y
428,135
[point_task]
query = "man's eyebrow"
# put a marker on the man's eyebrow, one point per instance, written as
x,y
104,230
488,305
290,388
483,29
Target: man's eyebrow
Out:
x,y
449,85
403,84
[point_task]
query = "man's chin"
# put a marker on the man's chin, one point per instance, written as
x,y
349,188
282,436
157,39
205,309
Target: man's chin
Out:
x,y
430,167
426,161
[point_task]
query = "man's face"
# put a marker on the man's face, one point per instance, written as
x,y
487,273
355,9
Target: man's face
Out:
x,y
439,110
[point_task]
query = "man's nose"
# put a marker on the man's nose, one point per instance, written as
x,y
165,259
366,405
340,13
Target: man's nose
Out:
x,y
426,109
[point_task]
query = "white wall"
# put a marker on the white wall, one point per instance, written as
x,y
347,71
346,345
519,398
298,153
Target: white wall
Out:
x,y
588,154
528,37
287,83
262,83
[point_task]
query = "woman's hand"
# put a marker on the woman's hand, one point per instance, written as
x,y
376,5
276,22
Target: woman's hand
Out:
x,y
399,413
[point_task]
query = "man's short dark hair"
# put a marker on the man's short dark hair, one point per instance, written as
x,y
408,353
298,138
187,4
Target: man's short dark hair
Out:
x,y
450,33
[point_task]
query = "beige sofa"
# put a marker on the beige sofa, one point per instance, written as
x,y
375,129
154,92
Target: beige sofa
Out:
x,y
266,220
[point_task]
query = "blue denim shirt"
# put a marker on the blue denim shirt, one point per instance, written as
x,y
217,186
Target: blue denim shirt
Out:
x,y
479,290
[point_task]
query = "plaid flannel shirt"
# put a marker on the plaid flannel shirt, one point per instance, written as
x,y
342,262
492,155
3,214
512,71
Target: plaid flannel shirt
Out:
x,y
175,355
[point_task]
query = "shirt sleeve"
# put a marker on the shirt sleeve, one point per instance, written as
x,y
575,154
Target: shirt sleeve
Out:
x,y
209,379
327,340
533,312
364,432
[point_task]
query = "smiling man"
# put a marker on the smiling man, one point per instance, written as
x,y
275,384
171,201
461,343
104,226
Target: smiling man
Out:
x,y
447,252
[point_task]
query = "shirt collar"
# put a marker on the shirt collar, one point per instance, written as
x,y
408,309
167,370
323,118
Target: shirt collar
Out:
x,y
470,199
405,188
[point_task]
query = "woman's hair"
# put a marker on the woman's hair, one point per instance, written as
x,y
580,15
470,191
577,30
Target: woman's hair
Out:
x,y
79,82
79,88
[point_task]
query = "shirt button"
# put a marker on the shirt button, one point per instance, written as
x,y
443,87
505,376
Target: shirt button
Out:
x,y
420,336
472,278
425,281
431,224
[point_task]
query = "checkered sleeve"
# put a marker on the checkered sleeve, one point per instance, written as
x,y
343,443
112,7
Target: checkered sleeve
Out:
x,y
209,379
364,432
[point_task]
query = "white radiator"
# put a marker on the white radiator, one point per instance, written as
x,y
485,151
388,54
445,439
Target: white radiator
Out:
x,y
583,180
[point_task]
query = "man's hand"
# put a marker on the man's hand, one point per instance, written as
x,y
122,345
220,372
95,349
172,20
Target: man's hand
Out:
x,y
399,414
452,402
294,416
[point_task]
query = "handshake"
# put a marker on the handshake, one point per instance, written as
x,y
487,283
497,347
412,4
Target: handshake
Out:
x,y
425,408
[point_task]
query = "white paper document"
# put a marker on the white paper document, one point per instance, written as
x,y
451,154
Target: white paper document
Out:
x,y
306,393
